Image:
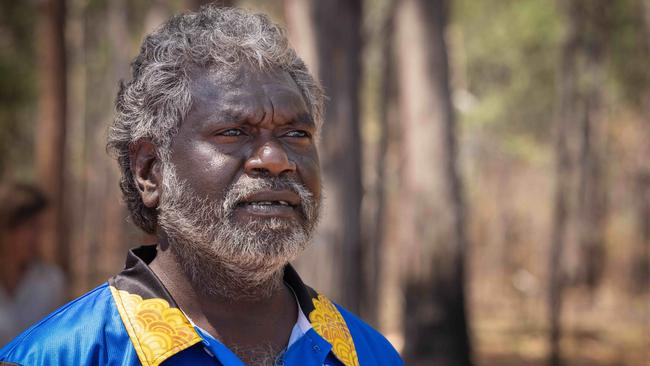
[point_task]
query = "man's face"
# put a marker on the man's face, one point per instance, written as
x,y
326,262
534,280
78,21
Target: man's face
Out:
x,y
243,181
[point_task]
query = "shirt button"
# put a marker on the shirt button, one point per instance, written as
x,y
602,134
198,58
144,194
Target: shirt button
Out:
x,y
208,352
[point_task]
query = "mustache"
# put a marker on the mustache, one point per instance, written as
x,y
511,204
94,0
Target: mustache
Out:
x,y
247,186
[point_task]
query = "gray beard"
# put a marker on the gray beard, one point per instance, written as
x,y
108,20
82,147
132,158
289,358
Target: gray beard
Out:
x,y
228,259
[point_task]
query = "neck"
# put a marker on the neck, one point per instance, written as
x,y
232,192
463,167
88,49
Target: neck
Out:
x,y
215,277
222,284
238,321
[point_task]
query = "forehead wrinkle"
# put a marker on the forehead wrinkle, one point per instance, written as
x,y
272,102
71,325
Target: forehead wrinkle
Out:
x,y
288,107
250,107
263,109
235,107
252,96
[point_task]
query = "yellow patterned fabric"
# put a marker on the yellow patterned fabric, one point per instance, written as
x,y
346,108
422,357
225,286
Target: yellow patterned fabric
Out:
x,y
329,324
157,330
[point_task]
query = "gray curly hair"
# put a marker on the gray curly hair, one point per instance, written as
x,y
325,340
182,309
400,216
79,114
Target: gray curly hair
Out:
x,y
154,102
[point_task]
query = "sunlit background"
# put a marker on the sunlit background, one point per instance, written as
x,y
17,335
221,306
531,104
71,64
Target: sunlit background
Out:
x,y
486,163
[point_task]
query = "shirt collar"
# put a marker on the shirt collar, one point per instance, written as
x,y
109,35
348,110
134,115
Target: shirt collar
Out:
x,y
158,329
301,327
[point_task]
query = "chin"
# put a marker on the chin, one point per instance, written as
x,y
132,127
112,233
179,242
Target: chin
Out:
x,y
267,247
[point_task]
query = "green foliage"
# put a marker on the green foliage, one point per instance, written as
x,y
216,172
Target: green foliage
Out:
x,y
510,53
17,82
629,52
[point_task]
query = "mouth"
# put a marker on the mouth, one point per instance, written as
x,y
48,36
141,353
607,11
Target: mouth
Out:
x,y
265,203
270,204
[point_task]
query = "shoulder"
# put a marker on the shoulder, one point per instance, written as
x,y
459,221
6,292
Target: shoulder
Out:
x,y
87,331
372,347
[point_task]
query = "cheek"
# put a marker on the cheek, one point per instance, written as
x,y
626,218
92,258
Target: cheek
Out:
x,y
206,169
309,170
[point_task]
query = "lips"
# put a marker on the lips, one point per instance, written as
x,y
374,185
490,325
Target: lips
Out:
x,y
270,204
268,198
267,203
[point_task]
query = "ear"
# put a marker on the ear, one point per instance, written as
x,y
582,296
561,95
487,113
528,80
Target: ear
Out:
x,y
146,169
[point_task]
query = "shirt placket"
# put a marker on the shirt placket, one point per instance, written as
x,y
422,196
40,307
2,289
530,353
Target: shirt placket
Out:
x,y
218,351
310,349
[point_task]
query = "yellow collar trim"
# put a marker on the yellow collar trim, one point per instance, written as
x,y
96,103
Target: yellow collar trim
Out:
x,y
328,322
157,330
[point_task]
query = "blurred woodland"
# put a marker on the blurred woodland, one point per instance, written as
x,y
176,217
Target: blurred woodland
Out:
x,y
486,163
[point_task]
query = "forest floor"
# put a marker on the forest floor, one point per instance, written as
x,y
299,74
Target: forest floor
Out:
x,y
608,328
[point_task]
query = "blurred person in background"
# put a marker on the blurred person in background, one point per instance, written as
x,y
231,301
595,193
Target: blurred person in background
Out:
x,y
29,288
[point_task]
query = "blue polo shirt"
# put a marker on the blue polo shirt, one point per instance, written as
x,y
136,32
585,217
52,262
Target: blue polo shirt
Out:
x,y
133,320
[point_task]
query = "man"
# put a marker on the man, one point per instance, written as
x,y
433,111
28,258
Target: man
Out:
x,y
216,139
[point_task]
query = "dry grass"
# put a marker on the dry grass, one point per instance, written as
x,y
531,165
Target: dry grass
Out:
x,y
607,329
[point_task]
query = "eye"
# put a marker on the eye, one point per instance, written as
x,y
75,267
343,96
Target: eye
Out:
x,y
297,133
233,132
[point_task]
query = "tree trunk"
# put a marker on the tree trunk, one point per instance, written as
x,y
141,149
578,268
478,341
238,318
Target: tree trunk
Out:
x,y
640,268
591,208
433,237
580,198
562,171
333,263
76,145
640,256
102,234
375,217
592,198
51,127
646,20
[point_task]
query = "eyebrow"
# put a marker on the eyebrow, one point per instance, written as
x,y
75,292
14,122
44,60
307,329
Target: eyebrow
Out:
x,y
228,116
304,119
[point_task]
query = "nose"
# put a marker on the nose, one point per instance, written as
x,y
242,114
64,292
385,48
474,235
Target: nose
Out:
x,y
269,159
